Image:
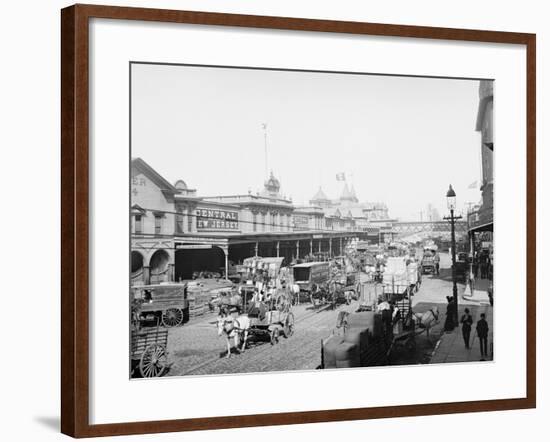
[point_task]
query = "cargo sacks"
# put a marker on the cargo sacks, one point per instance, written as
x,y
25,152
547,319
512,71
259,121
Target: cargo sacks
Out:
x,y
359,346
347,355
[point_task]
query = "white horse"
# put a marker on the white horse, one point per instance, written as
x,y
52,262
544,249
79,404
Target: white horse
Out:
x,y
234,328
427,319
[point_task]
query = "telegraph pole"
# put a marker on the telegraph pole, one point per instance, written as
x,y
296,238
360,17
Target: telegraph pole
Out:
x,y
451,204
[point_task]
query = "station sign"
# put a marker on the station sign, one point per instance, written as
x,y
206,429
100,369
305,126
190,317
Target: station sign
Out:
x,y
215,219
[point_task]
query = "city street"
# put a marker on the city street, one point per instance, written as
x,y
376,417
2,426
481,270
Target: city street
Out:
x,y
196,348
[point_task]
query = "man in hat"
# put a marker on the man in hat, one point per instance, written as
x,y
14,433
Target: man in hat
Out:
x,y
466,322
482,329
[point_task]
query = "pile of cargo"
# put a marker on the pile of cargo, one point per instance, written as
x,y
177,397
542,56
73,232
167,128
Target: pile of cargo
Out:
x,y
258,266
361,345
200,293
395,277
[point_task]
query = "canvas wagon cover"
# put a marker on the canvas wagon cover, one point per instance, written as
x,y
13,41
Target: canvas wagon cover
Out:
x,y
395,272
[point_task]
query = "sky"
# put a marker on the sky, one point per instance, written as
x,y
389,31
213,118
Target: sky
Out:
x,y
398,140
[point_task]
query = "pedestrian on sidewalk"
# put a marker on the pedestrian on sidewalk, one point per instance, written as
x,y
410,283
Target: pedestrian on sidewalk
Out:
x,y
450,315
466,322
482,329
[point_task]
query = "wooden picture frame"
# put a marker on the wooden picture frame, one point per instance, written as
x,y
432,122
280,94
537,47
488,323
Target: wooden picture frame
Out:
x,y
75,218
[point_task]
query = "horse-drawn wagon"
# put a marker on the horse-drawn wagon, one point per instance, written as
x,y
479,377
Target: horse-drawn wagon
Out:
x,y
148,351
163,303
259,318
430,260
271,317
311,279
372,336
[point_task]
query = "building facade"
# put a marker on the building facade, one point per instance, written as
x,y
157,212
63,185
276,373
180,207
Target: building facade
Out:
x,y
175,232
480,218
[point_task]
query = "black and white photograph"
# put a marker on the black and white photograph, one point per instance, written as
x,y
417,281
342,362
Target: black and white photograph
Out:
x,y
286,220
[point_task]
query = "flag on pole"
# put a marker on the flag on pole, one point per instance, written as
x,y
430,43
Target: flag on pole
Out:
x,y
341,176
473,185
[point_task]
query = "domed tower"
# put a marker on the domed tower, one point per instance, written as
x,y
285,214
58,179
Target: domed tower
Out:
x,y
347,196
320,199
272,186
353,194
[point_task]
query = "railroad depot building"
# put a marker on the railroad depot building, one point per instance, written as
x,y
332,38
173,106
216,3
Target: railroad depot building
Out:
x,y
175,232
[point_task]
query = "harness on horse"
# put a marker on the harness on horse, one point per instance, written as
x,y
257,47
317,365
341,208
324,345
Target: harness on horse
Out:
x,y
235,326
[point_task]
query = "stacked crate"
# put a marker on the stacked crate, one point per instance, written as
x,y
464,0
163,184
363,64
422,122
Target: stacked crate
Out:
x,y
198,302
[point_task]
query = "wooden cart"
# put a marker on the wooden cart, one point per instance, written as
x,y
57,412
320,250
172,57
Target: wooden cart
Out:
x,y
164,303
273,325
277,318
148,352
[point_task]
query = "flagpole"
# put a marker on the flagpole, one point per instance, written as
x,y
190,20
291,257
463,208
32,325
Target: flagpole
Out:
x,y
264,126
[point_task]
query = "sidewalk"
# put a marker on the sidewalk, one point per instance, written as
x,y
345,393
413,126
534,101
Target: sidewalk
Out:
x,y
451,348
479,294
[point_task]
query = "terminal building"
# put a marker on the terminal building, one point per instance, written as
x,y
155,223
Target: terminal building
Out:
x,y
175,232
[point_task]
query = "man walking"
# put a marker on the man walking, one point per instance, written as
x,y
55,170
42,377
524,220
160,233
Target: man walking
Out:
x,y
482,329
466,322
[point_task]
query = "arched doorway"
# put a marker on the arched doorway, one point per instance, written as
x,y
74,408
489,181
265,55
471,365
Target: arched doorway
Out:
x,y
136,267
158,266
189,261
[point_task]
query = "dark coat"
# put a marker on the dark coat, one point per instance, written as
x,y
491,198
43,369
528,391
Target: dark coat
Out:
x,y
466,321
482,328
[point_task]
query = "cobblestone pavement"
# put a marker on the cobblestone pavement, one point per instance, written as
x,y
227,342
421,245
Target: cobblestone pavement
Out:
x,y
196,348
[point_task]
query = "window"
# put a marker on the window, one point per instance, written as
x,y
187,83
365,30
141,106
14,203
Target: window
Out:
x,y
263,222
137,224
158,224
254,219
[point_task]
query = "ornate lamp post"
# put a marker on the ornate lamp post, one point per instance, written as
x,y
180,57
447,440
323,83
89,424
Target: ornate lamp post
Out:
x,y
451,205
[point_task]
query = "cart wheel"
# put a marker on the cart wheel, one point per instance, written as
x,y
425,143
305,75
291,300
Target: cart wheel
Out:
x,y
153,361
289,326
274,336
172,317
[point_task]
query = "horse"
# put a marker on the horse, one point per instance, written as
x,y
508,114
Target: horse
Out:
x,y
427,319
342,320
234,328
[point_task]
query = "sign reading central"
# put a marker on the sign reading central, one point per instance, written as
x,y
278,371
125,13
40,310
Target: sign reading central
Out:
x,y
214,219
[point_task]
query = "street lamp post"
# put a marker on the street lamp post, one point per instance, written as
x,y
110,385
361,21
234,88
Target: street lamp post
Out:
x,y
451,205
